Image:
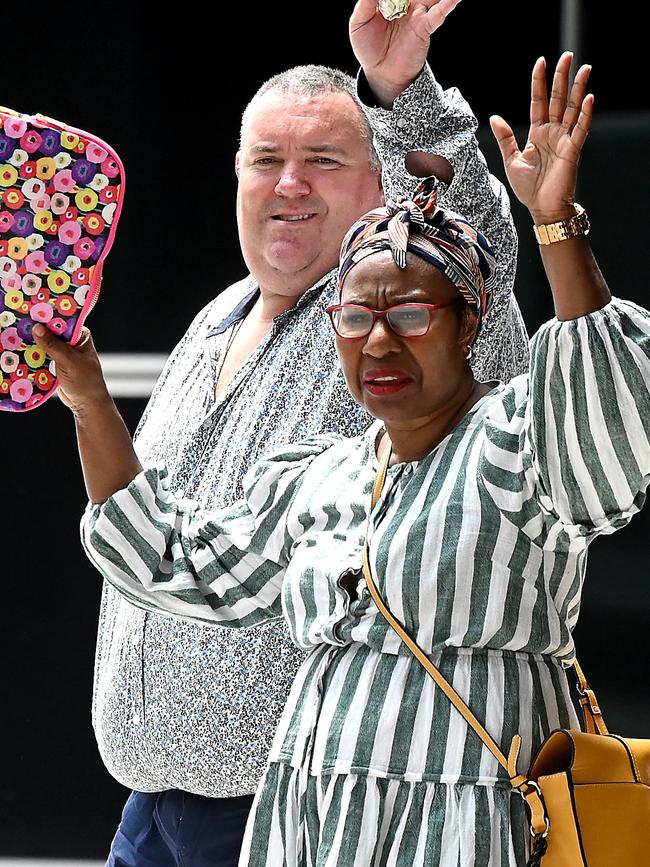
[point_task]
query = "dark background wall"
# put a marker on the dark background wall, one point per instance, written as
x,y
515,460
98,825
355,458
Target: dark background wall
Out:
x,y
167,92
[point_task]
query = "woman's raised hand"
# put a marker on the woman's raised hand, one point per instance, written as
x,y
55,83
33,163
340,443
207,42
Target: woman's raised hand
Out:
x,y
543,175
78,370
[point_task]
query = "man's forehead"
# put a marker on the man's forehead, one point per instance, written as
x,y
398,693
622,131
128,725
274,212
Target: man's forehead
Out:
x,y
333,115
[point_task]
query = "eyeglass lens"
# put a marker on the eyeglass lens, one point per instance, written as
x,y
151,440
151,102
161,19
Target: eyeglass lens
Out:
x,y
407,320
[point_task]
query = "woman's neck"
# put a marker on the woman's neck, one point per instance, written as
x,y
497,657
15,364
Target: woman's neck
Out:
x,y
414,439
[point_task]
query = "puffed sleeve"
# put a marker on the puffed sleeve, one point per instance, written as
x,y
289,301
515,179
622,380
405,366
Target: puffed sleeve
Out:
x,y
590,415
571,443
225,567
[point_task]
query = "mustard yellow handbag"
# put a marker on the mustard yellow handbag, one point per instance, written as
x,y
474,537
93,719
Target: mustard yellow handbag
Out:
x,y
588,793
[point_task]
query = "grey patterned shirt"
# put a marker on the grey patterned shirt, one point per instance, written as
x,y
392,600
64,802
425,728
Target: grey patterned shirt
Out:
x,y
182,705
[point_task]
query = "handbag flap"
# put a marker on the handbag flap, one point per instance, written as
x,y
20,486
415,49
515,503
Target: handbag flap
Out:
x,y
554,756
640,750
589,758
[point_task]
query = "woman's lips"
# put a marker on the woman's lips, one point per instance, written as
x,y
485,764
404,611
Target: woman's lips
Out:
x,y
379,382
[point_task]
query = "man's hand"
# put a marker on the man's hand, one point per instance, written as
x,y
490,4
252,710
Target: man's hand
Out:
x,y
78,370
393,53
543,175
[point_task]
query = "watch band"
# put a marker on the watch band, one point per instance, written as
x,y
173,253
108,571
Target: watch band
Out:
x,y
550,233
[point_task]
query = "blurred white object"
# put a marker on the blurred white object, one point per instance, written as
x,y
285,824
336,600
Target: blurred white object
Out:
x,y
131,375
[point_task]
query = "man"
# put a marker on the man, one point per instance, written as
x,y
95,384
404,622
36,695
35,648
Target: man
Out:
x,y
184,712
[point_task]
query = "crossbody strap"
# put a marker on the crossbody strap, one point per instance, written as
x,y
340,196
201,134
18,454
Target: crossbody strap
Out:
x,y
420,655
594,722
424,660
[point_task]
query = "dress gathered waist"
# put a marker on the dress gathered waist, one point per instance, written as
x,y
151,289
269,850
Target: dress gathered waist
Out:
x,y
354,710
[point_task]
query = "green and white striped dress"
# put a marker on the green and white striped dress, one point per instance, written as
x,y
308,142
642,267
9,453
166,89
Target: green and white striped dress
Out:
x,y
479,549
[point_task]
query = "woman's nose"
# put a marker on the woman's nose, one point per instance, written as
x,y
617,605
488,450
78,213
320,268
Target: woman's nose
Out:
x,y
382,340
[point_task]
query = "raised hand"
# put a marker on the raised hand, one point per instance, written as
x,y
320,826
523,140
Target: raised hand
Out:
x,y
78,370
392,53
543,175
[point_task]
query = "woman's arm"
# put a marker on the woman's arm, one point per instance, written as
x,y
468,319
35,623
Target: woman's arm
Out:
x,y
581,435
162,552
225,566
108,459
165,554
543,177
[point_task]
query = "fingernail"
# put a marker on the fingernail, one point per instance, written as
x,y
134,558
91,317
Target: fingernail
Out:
x,y
38,330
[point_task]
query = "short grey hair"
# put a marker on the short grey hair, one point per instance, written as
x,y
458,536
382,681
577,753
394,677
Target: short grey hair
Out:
x,y
312,80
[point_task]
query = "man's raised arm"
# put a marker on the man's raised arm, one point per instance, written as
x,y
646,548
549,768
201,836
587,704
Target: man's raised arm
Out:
x,y
421,129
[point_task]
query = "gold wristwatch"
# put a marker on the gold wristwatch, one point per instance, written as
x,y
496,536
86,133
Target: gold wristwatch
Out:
x,y
550,233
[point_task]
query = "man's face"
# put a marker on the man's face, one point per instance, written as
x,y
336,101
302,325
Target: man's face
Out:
x,y
304,178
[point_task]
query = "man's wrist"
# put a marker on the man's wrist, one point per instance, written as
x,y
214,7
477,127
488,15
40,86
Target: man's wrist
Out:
x,y
376,92
385,92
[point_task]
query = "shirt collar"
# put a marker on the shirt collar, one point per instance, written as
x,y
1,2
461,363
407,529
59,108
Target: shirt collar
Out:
x,y
240,311
246,304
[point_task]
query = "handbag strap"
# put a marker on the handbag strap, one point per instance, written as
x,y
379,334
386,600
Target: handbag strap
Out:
x,y
593,716
527,789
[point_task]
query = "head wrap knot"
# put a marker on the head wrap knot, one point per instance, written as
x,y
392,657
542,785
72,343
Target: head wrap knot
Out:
x,y
440,237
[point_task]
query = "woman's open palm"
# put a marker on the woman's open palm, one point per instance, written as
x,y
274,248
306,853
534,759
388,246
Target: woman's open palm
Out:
x,y
543,174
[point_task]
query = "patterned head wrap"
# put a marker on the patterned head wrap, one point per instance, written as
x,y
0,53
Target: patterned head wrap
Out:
x,y
440,237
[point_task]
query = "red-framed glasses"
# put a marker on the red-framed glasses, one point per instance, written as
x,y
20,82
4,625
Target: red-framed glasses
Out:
x,y
353,321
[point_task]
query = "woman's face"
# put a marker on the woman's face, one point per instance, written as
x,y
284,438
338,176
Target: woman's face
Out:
x,y
404,379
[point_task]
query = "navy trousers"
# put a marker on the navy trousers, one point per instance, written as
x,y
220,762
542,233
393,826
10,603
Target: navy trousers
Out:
x,y
177,829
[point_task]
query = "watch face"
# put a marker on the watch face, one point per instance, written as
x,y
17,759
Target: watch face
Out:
x,y
578,225
583,223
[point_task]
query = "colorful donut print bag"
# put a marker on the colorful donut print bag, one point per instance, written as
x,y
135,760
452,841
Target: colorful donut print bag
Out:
x,y
61,192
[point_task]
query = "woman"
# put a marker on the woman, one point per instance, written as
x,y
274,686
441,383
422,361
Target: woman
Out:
x,y
478,542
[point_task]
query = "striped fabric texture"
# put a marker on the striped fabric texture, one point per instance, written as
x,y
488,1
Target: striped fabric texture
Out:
x,y
479,549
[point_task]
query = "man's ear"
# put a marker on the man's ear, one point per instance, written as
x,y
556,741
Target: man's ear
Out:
x,y
237,161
